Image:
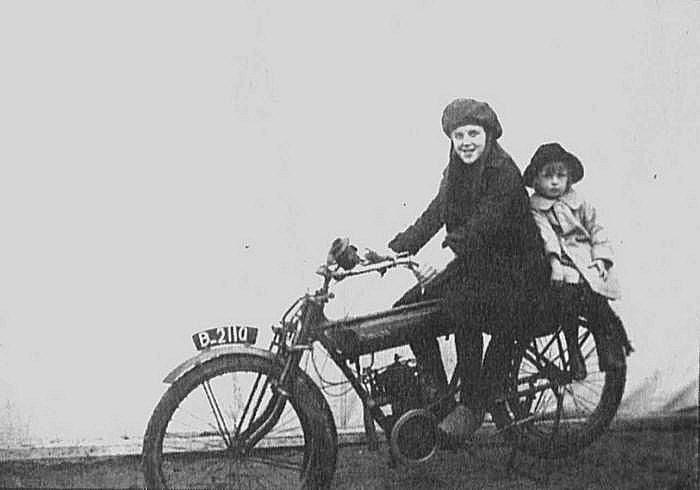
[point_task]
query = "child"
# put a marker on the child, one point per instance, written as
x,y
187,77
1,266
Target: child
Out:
x,y
577,246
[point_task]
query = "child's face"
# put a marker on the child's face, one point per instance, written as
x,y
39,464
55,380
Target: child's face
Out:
x,y
552,180
469,142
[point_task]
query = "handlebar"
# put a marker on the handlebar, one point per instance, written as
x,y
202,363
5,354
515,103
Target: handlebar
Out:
x,y
403,259
343,261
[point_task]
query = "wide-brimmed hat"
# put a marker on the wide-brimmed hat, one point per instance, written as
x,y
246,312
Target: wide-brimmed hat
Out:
x,y
461,112
553,152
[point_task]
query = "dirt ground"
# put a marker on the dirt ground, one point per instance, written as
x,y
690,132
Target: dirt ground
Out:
x,y
623,458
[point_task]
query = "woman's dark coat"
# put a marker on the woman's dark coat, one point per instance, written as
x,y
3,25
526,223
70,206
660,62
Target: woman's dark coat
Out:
x,y
500,267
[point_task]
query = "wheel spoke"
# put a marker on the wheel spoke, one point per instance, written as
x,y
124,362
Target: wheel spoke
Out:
x,y
560,355
595,390
551,341
220,421
250,399
543,396
590,352
585,400
583,337
576,400
564,361
547,366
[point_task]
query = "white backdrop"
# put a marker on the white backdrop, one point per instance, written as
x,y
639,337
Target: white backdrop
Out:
x,y
171,166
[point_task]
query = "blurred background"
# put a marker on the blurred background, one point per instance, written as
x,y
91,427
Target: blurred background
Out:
x,y
167,167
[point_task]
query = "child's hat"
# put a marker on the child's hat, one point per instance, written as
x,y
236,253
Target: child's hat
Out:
x,y
552,152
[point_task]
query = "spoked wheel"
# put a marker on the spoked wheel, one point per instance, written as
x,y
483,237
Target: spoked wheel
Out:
x,y
544,411
225,424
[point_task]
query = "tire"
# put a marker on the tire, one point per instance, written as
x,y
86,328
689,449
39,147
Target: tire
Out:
x,y
536,422
185,446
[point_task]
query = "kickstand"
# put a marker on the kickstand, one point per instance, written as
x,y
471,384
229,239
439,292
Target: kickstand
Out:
x,y
370,430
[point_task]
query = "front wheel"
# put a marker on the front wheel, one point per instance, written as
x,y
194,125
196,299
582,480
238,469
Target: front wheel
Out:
x,y
543,410
226,424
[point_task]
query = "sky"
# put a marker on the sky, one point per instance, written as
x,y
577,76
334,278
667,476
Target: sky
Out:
x,y
171,166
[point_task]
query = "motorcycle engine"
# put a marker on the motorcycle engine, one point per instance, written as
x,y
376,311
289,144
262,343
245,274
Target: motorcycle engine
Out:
x,y
400,384
413,437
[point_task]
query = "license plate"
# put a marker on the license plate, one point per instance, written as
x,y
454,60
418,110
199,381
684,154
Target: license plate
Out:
x,y
232,334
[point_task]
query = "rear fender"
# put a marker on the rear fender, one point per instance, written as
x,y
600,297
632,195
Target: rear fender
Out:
x,y
213,353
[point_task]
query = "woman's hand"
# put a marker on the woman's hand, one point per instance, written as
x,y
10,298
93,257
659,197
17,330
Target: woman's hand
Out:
x,y
374,257
425,273
455,240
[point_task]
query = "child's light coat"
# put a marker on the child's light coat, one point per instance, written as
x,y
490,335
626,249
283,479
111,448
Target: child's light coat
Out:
x,y
582,239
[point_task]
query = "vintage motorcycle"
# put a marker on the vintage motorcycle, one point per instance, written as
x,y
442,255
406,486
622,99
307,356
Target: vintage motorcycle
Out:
x,y
238,416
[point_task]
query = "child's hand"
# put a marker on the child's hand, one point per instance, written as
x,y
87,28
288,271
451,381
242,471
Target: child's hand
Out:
x,y
601,267
557,270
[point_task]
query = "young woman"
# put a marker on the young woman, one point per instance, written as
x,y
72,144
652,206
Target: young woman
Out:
x,y
499,266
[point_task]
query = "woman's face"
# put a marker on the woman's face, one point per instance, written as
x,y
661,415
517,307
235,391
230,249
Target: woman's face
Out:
x,y
469,142
552,180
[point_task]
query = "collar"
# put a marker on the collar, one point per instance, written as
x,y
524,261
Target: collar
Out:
x,y
570,198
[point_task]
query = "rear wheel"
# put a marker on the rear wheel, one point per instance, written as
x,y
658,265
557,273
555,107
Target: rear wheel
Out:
x,y
543,410
209,430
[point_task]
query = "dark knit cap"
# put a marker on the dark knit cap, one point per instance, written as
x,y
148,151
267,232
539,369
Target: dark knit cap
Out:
x,y
552,152
460,112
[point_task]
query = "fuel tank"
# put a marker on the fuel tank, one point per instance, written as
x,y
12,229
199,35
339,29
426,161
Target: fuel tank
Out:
x,y
364,334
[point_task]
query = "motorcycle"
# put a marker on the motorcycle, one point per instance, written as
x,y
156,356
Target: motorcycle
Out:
x,y
239,416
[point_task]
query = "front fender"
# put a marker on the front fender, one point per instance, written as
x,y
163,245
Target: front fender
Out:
x,y
214,352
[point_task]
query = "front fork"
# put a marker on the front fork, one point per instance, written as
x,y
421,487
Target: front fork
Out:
x,y
290,356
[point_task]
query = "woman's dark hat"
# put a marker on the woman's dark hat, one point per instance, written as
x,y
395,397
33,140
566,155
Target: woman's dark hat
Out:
x,y
460,112
552,152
